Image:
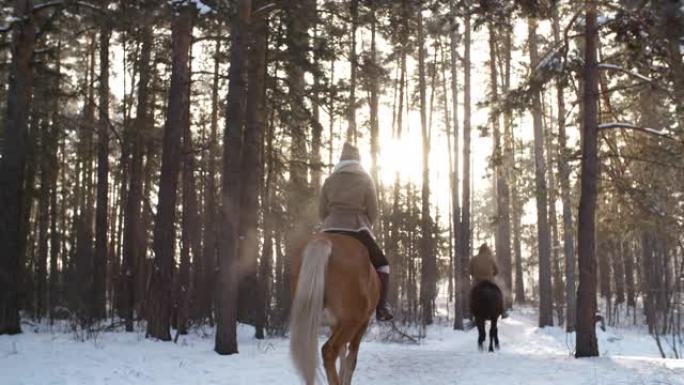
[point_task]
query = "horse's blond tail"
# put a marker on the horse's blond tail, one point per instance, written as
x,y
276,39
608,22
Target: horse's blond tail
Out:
x,y
307,308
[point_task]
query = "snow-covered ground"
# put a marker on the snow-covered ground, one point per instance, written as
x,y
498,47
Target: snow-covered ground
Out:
x,y
528,355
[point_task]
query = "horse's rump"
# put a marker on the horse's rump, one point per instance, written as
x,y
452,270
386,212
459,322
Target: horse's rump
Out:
x,y
486,300
331,271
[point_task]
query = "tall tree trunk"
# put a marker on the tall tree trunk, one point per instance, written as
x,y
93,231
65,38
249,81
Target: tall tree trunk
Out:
x,y
40,277
452,182
55,247
543,236
190,226
517,233
671,28
159,300
429,267
316,127
251,169
373,100
133,230
298,22
351,112
182,289
586,343
465,213
331,117
205,273
557,279
503,216
266,276
393,247
15,132
100,263
628,260
508,174
564,176
455,174
619,273
226,338
84,217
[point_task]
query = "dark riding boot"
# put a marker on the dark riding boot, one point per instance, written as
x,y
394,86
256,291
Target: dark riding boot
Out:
x,y
383,311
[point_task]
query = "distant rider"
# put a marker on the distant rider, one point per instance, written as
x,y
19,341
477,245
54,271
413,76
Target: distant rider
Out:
x,y
483,267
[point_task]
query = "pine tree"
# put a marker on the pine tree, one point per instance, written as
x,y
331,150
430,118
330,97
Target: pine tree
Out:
x,y
586,344
15,132
226,339
543,236
159,302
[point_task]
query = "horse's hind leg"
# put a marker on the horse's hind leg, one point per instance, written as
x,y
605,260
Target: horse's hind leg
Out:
x,y
331,350
496,335
348,365
493,335
481,334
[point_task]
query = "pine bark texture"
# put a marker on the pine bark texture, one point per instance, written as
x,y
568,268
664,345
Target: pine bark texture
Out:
x,y
15,133
160,301
227,307
586,343
541,193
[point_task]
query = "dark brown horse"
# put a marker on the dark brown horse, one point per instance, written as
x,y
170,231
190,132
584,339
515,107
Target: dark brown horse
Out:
x,y
486,304
336,284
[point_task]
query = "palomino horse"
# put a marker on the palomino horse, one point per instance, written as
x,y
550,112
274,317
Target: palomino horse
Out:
x,y
333,275
486,304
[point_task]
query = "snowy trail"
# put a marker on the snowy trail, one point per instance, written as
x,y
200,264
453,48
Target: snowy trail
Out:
x,y
528,356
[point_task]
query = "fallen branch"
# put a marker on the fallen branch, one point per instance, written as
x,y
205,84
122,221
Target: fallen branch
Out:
x,y
401,333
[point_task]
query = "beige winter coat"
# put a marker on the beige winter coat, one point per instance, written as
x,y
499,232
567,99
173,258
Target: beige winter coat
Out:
x,y
348,199
483,266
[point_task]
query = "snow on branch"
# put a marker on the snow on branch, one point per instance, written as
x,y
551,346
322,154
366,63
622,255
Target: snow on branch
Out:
x,y
613,67
202,7
264,10
47,4
630,126
551,61
10,23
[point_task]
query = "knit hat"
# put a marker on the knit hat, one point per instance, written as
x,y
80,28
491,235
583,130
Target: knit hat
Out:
x,y
349,152
484,250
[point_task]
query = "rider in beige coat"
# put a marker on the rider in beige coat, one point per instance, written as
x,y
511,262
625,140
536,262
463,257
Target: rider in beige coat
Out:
x,y
483,266
348,204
